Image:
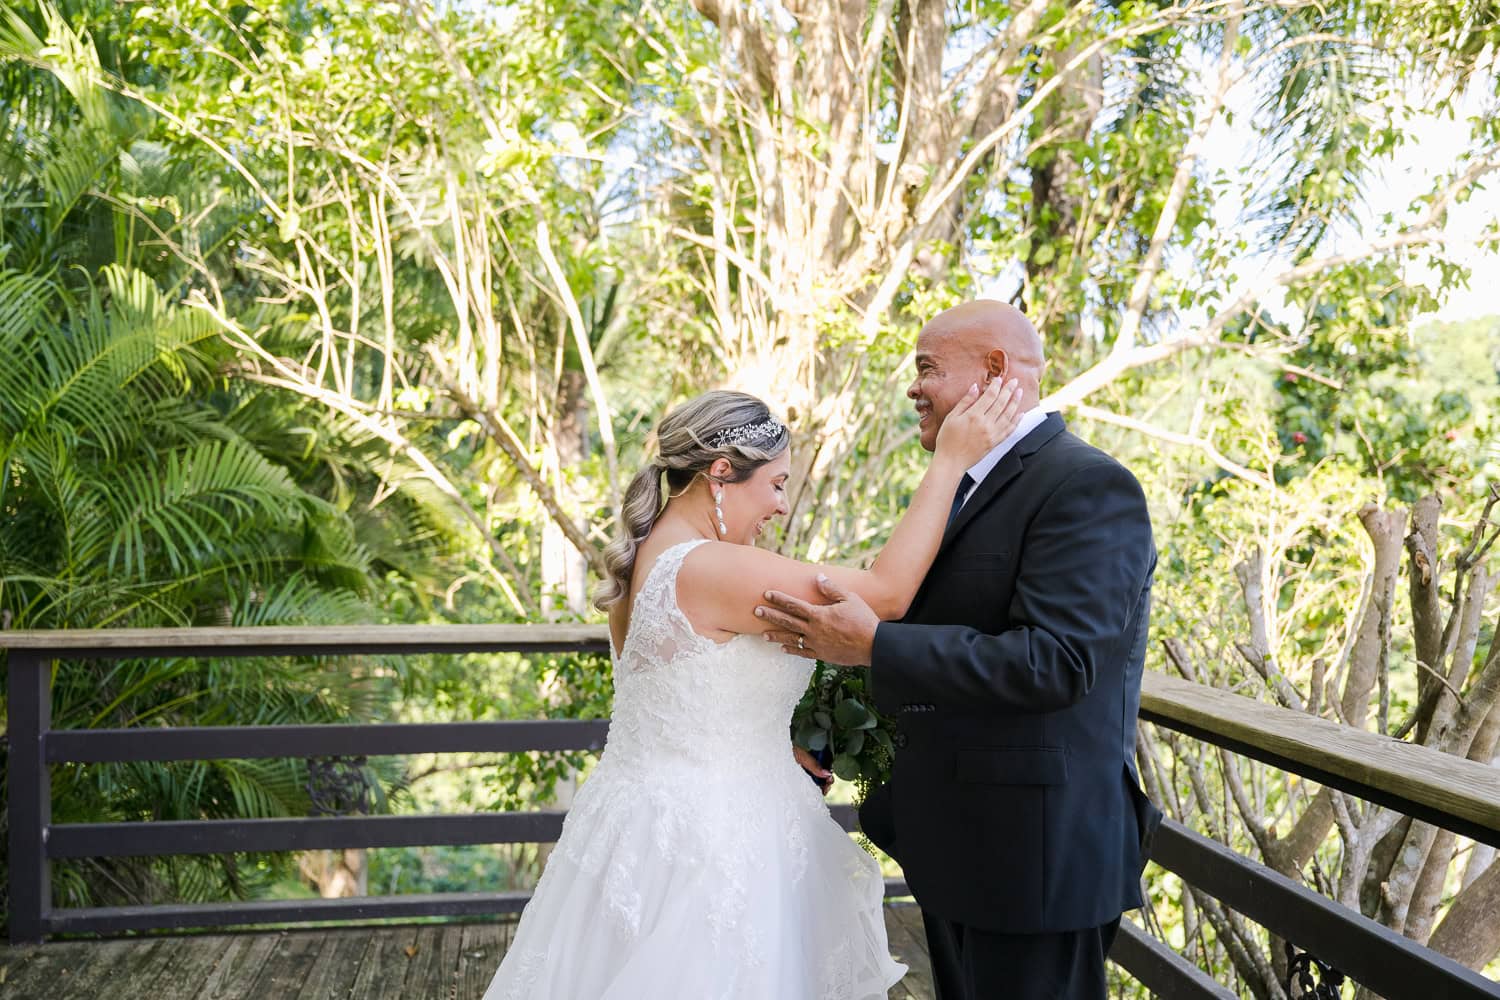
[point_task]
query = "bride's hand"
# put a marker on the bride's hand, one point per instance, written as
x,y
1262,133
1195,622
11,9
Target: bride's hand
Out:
x,y
979,421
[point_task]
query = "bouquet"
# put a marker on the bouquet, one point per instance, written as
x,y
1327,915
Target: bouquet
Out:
x,y
837,722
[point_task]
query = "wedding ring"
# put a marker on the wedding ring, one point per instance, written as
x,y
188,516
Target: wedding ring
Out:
x,y
800,643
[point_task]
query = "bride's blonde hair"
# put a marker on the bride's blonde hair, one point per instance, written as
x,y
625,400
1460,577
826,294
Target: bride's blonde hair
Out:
x,y
718,424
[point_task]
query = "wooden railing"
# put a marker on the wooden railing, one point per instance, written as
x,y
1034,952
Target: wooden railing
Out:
x,y
35,841
1456,794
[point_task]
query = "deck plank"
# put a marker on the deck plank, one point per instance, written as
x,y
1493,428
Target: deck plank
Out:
x,y
46,973
12,959
177,967
483,947
238,966
452,961
424,977
908,940
383,967
336,965
288,965
104,963
450,947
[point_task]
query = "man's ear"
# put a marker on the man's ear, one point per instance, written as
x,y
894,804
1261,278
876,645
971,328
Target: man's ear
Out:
x,y
996,364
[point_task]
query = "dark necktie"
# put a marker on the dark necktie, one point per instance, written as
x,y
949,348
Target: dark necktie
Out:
x,y
964,486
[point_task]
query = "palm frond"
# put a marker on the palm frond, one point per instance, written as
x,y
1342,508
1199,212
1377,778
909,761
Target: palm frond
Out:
x,y
214,489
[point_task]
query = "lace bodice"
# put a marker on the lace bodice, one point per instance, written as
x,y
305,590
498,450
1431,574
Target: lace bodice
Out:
x,y
683,697
698,861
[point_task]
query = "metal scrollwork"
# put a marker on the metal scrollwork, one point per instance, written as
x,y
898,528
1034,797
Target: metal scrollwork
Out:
x,y
338,786
1306,976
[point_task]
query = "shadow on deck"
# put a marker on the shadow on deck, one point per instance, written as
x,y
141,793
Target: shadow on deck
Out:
x,y
413,962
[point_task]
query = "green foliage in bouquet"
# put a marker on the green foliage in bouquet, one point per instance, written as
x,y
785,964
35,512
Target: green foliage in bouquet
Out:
x,y
837,719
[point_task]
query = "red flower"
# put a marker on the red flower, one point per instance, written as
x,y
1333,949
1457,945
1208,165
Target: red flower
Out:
x,y
1289,377
1299,437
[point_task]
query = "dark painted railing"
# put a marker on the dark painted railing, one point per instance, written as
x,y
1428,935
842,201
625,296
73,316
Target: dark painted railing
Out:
x,y
1459,795
35,841
1447,791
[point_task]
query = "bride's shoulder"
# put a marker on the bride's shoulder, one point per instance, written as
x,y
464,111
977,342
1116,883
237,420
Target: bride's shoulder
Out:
x,y
728,565
652,549
705,556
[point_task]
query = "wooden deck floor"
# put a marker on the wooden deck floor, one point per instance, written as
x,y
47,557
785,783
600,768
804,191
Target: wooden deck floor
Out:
x,y
417,962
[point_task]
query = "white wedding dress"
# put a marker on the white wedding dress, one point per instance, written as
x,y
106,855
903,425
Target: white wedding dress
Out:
x,y
698,861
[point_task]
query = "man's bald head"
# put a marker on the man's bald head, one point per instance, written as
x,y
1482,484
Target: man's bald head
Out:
x,y
987,325
972,344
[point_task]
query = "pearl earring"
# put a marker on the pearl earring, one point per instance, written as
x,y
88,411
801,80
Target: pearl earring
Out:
x,y
719,511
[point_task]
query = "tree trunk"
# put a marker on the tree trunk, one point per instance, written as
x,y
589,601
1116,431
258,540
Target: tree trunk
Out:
x,y
1470,932
564,568
1429,891
1365,661
337,874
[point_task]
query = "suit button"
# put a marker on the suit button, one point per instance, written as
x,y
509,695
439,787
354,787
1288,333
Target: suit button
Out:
x,y
899,740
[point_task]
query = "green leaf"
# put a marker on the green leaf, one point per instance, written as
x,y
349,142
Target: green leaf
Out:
x,y
850,714
846,767
823,719
855,743
818,740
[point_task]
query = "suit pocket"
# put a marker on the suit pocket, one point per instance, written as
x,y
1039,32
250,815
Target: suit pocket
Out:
x,y
1014,766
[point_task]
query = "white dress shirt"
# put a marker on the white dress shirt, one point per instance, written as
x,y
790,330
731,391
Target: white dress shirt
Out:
x,y
1030,421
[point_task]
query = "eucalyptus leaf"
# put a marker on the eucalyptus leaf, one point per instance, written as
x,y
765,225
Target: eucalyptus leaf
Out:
x,y
850,714
846,767
855,743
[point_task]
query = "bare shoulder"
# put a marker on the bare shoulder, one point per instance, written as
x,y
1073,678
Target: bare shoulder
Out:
x,y
714,557
716,570
720,583
653,548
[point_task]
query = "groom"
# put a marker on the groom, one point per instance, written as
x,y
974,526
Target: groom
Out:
x,y
1014,807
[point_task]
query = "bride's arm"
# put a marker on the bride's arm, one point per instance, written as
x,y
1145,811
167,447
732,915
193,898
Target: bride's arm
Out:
x,y
720,584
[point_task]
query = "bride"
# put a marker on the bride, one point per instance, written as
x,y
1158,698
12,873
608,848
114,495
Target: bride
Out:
x,y
698,862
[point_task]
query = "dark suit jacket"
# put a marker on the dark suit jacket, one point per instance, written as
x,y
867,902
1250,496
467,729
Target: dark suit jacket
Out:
x,y
1014,804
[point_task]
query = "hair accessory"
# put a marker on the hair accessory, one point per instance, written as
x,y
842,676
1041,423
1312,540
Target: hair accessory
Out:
x,y
768,428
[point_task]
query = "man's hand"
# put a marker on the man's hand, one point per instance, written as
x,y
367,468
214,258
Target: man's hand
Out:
x,y
811,766
842,632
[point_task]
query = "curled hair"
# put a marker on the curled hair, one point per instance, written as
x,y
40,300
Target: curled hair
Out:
x,y
684,452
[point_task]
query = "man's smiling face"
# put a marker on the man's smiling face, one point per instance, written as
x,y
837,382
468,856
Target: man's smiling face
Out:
x,y
947,364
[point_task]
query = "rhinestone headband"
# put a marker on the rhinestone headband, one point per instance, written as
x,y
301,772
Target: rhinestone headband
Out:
x,y
768,428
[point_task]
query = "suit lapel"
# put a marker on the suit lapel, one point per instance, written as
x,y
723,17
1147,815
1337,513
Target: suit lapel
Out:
x,y
1000,476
